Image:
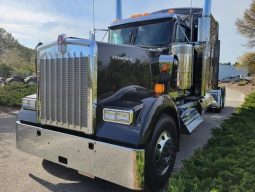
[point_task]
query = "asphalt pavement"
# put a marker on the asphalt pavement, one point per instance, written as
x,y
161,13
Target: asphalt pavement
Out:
x,y
23,172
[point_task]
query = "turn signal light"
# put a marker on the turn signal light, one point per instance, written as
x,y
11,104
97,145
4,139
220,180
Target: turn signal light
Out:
x,y
159,88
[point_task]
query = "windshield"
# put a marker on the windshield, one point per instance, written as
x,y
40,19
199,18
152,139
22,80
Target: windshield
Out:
x,y
153,34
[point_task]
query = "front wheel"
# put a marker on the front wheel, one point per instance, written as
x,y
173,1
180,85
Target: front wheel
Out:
x,y
161,153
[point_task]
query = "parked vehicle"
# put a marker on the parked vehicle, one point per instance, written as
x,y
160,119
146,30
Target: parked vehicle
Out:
x,y
2,80
30,80
249,79
116,110
14,79
232,79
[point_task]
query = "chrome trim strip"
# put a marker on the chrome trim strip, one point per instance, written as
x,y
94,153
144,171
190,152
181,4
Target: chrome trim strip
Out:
x,y
120,165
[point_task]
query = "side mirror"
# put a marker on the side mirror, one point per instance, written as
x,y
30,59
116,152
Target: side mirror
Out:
x,y
166,63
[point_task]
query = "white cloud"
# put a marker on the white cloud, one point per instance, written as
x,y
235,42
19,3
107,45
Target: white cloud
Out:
x,y
32,26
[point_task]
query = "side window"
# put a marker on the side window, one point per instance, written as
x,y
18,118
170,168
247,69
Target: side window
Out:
x,y
182,33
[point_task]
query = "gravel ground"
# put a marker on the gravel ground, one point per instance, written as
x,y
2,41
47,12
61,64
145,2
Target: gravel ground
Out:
x,y
23,172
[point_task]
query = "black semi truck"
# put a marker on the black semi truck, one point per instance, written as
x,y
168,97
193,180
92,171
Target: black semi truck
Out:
x,y
116,110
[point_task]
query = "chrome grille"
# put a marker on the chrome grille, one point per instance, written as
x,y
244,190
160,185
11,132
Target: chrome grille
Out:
x,y
64,91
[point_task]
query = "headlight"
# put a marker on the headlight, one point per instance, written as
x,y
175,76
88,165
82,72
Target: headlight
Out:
x,y
118,116
29,103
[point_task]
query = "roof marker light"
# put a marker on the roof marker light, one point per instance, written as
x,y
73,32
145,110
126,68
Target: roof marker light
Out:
x,y
171,11
139,15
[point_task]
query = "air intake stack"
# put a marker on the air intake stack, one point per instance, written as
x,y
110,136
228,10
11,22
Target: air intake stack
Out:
x,y
204,23
205,39
118,9
207,8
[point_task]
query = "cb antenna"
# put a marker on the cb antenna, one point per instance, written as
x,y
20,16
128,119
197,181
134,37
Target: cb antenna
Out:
x,y
94,29
191,7
92,35
191,20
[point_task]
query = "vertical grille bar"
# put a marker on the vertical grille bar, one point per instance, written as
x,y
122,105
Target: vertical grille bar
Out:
x,y
79,82
56,90
51,88
47,93
66,87
72,89
61,91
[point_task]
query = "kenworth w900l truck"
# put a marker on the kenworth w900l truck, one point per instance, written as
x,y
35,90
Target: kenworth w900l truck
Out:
x,y
116,110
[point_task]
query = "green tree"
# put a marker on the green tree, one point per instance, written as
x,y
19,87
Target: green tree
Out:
x,y
5,70
15,55
248,61
246,25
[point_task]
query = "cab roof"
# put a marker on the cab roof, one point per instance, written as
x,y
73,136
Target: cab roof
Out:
x,y
162,14
143,18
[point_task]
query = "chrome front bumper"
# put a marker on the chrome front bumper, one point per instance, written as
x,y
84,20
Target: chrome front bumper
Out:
x,y
120,165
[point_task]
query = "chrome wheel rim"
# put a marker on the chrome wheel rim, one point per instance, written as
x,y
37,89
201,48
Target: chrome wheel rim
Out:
x,y
164,152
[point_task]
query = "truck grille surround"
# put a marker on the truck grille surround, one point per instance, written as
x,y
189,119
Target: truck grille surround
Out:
x,y
66,92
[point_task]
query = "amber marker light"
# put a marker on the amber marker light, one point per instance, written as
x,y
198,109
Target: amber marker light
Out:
x,y
159,88
165,68
170,11
139,15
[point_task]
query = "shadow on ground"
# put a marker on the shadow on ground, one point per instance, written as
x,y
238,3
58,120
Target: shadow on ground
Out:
x,y
74,181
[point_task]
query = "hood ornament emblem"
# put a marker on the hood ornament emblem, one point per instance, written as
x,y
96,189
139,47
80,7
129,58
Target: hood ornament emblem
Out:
x,y
62,45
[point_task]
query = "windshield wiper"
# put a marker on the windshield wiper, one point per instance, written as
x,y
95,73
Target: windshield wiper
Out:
x,y
134,35
131,37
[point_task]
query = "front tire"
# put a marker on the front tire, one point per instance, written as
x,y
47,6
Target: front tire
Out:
x,y
161,154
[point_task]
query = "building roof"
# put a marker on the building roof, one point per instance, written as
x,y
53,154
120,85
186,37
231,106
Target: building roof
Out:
x,y
230,70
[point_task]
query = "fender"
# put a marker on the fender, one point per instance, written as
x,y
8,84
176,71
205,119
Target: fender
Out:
x,y
153,109
139,133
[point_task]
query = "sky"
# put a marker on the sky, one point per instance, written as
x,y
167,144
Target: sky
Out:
x,y
33,21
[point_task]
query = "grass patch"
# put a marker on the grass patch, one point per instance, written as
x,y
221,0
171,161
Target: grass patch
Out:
x,y
227,162
11,95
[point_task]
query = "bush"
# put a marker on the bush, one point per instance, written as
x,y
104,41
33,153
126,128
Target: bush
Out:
x,y
227,162
11,95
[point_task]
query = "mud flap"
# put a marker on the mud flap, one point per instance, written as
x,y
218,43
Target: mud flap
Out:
x,y
190,119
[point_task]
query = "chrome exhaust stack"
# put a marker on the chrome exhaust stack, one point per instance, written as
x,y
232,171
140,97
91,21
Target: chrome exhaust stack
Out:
x,y
204,43
118,9
207,8
204,23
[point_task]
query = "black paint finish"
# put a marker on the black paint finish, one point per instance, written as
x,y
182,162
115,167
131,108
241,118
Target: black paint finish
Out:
x,y
126,78
120,66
